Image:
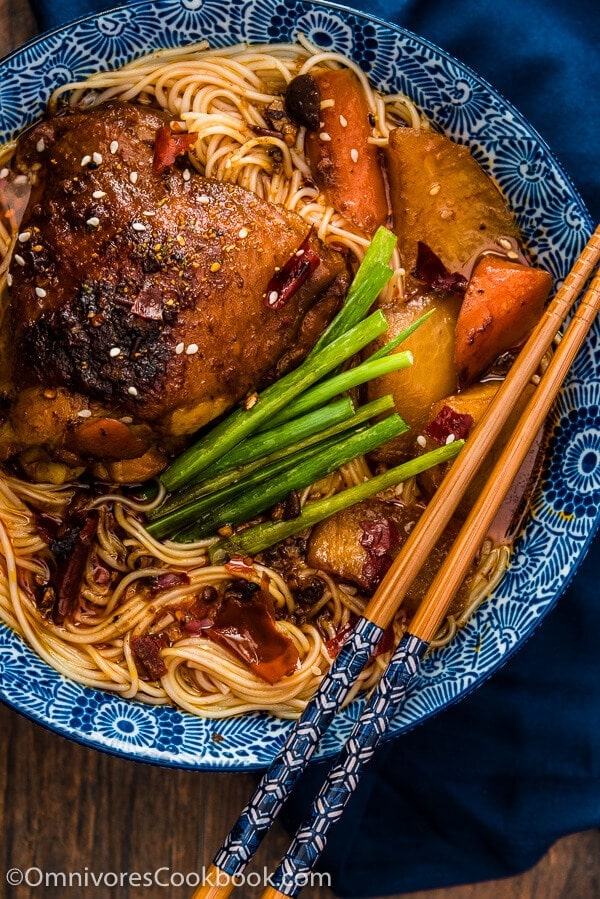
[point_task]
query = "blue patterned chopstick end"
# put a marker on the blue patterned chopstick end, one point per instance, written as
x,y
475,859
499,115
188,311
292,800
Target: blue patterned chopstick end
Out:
x,y
283,773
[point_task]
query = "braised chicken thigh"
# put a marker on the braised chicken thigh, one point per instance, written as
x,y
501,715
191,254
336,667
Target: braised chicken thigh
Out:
x,y
139,291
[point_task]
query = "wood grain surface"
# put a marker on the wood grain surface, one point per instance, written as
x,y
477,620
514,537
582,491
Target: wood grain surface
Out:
x,y
66,808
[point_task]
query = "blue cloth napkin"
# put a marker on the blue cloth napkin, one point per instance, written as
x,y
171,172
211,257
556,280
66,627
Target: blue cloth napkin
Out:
x,y
483,789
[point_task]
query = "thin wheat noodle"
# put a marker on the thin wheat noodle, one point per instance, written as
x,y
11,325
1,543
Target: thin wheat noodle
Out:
x,y
220,96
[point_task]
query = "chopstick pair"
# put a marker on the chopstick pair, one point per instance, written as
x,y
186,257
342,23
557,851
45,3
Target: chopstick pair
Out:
x,y
309,841
285,770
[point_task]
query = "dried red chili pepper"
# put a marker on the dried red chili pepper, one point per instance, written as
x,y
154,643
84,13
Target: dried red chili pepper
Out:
x,y
146,650
248,629
291,276
168,145
430,268
448,422
168,581
69,575
386,642
380,538
335,643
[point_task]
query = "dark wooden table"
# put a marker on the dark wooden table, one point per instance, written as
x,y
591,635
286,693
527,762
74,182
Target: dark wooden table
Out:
x,y
65,808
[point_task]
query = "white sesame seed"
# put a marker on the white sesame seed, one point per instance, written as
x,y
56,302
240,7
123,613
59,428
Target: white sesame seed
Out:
x,y
85,160
114,146
133,176
127,420
299,252
505,243
243,232
273,297
19,259
512,254
343,121
421,440
450,439
434,189
324,136
327,104
132,391
40,292
85,413
97,158
186,174
180,348
21,179
9,279
191,349
40,146
115,351
203,199
4,173
24,236
138,226
98,194
93,222
354,155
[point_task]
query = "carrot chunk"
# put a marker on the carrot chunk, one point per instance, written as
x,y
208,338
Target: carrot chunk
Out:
x,y
343,162
502,303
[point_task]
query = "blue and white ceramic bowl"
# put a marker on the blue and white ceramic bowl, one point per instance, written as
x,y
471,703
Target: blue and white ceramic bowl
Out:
x,y
566,508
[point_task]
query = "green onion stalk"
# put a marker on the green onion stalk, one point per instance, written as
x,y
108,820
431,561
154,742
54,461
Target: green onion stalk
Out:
x,y
256,499
252,540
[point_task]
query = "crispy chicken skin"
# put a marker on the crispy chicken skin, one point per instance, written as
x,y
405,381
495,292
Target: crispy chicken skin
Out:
x,y
143,292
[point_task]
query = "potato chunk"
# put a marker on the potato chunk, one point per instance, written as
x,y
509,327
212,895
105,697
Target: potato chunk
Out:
x,y
474,402
442,197
433,373
359,544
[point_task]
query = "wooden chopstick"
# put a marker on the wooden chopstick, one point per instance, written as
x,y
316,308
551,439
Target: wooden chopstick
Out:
x,y
294,869
276,784
382,607
433,609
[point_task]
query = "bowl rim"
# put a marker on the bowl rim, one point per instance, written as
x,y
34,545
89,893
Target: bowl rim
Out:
x,y
134,753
